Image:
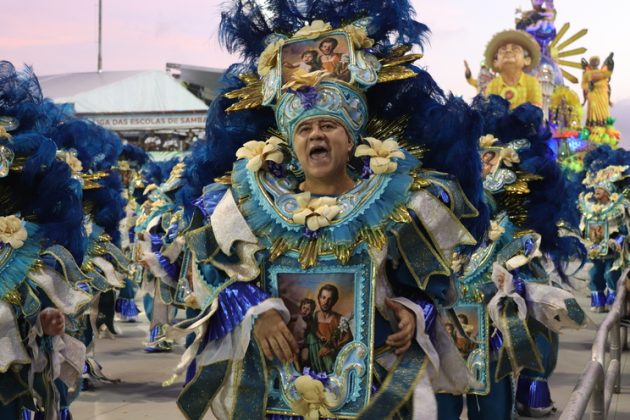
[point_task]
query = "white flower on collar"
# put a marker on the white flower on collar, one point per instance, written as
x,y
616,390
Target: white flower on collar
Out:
x,y
315,213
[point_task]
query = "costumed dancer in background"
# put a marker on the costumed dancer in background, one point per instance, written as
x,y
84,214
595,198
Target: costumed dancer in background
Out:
x,y
97,151
329,205
605,221
156,228
508,313
512,54
40,281
130,163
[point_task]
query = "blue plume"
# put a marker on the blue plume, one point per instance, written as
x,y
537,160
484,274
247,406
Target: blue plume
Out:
x,y
108,205
97,148
134,153
246,23
445,125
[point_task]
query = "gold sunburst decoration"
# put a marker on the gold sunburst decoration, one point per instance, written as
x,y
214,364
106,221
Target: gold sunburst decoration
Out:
x,y
559,52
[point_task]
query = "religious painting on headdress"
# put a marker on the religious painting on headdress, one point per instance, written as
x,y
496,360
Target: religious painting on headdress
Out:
x,y
469,332
326,57
330,308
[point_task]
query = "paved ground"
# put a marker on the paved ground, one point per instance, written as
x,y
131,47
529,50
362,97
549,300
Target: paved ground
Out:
x,y
140,395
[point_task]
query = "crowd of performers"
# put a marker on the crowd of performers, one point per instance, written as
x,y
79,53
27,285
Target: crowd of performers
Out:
x,y
348,240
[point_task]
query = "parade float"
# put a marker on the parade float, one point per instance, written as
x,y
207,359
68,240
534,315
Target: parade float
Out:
x,y
577,110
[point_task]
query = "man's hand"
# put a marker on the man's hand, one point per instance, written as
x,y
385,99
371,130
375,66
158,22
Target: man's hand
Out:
x,y
53,321
274,337
406,327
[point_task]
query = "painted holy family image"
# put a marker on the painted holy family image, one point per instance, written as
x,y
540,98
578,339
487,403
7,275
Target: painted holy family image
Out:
x,y
329,54
322,308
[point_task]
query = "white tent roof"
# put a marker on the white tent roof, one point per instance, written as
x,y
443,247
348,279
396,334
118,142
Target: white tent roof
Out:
x,y
120,92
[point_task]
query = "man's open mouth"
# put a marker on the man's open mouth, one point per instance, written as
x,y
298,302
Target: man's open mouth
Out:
x,y
319,153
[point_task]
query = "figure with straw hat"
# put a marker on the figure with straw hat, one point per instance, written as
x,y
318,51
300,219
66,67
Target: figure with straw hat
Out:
x,y
513,53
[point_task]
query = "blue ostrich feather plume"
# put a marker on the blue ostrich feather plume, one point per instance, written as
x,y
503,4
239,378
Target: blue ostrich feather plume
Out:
x,y
17,87
225,133
445,126
97,148
51,198
246,23
134,153
108,205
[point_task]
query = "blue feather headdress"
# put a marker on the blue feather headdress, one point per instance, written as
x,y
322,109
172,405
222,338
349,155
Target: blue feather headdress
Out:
x,y
442,125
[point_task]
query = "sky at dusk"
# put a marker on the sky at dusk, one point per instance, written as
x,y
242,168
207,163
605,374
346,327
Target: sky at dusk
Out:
x,y
61,36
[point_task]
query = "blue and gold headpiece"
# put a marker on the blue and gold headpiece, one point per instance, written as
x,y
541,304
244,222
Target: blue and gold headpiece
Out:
x,y
607,177
319,71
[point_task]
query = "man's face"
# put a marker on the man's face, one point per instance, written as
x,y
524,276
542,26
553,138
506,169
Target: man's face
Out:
x,y
511,55
322,147
326,48
325,299
601,195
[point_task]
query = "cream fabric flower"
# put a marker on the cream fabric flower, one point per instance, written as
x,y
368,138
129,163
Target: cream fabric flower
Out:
x,y
315,213
313,30
495,232
381,154
73,162
4,133
359,37
509,157
12,231
257,152
269,57
487,141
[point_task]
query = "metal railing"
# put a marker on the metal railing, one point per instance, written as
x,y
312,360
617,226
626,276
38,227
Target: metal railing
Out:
x,y
598,382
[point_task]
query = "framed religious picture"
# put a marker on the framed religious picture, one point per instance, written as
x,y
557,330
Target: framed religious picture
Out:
x,y
331,54
597,234
469,332
331,320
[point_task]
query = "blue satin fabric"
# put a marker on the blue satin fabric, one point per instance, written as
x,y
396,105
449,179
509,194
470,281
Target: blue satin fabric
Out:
x,y
496,340
156,242
598,299
210,198
127,307
156,247
234,302
533,393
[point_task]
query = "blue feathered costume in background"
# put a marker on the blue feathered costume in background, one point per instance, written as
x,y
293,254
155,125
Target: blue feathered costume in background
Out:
x,y
605,207
41,273
527,193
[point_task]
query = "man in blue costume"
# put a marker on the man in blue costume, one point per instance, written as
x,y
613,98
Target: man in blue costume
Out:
x,y
327,198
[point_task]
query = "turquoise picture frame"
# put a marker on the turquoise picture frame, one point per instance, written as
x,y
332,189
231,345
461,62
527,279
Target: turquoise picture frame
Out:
x,y
347,376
